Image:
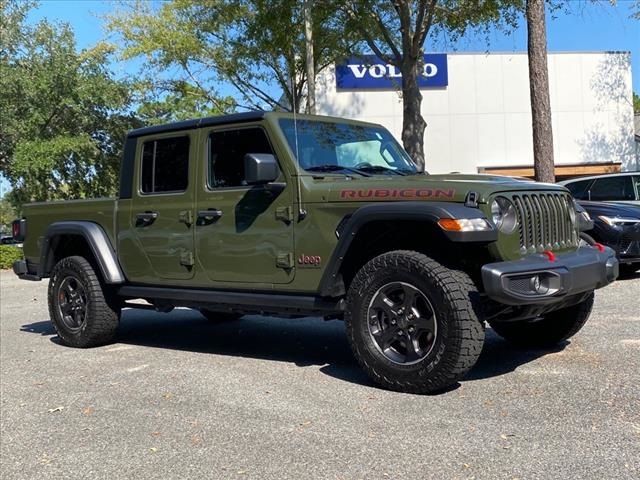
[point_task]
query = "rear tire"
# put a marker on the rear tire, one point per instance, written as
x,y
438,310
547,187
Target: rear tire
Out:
x,y
220,317
552,329
79,309
411,322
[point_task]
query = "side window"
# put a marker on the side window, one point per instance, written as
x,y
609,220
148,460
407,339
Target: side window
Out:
x,y
579,189
613,188
226,154
165,165
636,180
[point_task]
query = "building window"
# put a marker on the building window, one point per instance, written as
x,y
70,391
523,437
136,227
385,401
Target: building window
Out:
x,y
165,165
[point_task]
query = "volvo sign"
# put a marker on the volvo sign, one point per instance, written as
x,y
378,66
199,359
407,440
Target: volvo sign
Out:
x,y
371,73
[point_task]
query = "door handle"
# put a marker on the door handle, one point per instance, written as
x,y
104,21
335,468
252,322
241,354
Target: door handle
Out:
x,y
146,218
207,217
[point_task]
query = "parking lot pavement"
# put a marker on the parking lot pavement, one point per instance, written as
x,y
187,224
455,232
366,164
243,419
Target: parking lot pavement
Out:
x,y
178,397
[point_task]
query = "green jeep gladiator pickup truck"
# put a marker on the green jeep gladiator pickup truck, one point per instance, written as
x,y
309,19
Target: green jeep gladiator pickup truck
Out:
x,y
273,214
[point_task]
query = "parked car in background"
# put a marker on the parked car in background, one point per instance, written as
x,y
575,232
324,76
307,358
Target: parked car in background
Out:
x,y
8,240
615,187
617,225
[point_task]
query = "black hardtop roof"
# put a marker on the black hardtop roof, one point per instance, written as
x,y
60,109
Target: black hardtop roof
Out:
x,y
233,118
197,123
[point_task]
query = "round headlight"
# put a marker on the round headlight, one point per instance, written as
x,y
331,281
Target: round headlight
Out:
x,y
503,214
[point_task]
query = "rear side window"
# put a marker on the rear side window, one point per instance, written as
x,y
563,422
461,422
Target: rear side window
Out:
x,y
226,154
165,165
613,188
579,189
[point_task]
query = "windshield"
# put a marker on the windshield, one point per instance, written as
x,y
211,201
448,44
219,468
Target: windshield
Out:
x,y
334,147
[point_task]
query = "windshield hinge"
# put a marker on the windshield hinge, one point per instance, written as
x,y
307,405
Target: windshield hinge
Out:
x,y
471,200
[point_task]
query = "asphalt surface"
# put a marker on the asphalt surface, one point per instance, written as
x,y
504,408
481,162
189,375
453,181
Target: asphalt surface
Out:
x,y
261,398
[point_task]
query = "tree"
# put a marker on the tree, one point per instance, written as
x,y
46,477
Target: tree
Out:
x,y
543,162
396,31
256,47
7,215
636,103
64,117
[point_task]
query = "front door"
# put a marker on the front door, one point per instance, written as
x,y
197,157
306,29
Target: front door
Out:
x,y
162,207
244,234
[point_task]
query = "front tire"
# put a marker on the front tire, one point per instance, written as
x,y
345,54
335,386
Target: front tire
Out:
x,y
79,309
411,322
553,328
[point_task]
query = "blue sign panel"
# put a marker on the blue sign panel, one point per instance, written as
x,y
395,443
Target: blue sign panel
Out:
x,y
371,73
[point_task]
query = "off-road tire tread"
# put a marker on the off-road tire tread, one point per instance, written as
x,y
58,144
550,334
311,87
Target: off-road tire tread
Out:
x,y
102,318
467,331
554,328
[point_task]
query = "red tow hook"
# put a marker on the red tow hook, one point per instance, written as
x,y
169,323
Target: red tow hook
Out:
x,y
599,246
550,255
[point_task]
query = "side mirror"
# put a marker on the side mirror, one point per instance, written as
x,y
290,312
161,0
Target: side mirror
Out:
x,y
260,168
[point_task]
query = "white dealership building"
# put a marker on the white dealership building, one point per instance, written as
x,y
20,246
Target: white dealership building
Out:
x,y
478,111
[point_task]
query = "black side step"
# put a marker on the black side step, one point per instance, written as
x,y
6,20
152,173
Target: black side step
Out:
x,y
243,301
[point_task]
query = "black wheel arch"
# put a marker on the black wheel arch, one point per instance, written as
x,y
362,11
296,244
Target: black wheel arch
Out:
x,y
422,214
86,238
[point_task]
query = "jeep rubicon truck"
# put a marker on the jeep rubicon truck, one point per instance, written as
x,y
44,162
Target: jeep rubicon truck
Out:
x,y
274,214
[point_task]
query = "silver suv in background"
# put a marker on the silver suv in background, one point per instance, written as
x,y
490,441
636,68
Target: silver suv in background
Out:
x,y
614,187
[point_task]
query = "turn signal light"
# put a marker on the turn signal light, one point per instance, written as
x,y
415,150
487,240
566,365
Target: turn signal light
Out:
x,y
464,224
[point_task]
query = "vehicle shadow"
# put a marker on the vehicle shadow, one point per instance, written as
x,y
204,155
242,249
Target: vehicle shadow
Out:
x,y
629,275
303,342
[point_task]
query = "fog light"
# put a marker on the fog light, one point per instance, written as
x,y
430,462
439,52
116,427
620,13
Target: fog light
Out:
x,y
537,285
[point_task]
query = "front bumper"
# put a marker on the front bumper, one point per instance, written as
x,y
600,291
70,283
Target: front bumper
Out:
x,y
536,279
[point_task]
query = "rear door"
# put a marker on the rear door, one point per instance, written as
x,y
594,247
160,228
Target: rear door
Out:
x,y
161,215
244,233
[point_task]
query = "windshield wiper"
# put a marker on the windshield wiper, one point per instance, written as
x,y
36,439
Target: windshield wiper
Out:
x,y
336,168
381,169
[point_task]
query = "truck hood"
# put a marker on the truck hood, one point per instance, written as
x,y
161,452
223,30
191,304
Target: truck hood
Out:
x,y
448,188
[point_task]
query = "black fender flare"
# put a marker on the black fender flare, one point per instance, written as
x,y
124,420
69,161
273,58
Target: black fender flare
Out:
x,y
418,211
97,240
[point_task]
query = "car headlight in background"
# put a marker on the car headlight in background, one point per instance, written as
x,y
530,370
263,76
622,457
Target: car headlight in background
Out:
x,y
618,221
503,214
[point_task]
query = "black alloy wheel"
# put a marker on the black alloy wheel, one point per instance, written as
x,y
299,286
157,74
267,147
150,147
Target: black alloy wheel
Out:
x,y
402,323
72,303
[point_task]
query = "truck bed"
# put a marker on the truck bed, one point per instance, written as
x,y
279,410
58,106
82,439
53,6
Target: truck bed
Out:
x,y
42,214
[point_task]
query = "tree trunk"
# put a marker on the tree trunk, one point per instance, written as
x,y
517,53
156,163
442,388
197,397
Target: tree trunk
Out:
x,y
308,42
413,124
539,87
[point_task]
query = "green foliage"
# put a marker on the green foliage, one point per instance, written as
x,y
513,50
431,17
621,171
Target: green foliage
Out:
x,y
8,255
256,47
7,215
64,116
636,103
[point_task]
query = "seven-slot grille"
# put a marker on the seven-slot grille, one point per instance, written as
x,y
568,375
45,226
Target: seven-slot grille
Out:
x,y
544,221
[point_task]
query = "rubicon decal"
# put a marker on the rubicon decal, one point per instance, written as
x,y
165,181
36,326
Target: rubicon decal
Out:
x,y
309,260
405,193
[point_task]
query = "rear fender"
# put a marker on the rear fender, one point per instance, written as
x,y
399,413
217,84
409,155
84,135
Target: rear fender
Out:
x,y
98,242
